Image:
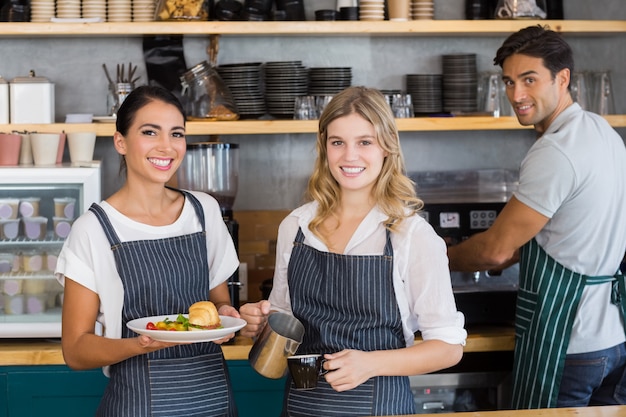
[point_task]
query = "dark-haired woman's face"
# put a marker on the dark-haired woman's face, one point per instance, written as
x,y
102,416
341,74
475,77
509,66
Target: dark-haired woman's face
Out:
x,y
155,144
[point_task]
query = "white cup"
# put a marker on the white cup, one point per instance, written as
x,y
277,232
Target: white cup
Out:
x,y
81,145
26,153
45,147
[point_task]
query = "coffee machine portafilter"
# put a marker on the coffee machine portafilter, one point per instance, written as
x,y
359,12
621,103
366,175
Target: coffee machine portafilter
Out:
x,y
213,167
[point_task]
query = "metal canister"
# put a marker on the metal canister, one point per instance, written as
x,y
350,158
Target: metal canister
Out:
x,y
280,338
32,99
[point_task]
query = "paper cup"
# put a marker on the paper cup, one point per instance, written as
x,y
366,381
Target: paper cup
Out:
x,y
64,207
9,208
10,149
81,145
29,207
35,227
62,226
60,148
26,153
45,147
399,10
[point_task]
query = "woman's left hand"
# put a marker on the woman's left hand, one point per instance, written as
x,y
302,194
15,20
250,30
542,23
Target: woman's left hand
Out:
x,y
348,369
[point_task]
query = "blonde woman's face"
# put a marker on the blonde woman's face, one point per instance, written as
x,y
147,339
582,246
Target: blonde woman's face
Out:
x,y
355,158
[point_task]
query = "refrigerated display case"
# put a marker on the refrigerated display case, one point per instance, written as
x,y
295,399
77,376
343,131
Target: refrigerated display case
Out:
x,y
37,208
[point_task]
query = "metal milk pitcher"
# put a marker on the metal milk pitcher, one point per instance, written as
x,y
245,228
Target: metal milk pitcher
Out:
x,y
279,339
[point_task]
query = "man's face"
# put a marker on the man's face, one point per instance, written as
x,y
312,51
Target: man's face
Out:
x,y
536,97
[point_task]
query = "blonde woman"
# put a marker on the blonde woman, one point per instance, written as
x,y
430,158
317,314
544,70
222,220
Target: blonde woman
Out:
x,y
363,272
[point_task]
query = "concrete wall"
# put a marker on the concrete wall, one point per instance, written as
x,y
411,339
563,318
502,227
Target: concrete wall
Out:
x,y
275,168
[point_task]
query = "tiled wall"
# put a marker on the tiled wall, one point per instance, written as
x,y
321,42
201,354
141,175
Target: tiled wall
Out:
x,y
257,246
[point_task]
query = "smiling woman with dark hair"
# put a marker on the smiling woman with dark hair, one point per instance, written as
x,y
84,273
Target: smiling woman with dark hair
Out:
x,y
148,250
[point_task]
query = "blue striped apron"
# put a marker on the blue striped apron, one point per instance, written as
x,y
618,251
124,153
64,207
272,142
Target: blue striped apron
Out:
x,y
165,276
346,302
547,302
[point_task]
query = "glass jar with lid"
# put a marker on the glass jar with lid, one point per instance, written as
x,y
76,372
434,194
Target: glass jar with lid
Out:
x,y
206,96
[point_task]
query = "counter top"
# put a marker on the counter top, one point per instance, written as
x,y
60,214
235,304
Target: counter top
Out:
x,y
603,411
48,352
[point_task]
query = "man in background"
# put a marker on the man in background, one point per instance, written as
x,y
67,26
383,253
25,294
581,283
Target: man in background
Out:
x,y
566,222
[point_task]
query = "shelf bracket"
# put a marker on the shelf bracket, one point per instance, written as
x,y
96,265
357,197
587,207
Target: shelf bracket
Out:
x,y
212,49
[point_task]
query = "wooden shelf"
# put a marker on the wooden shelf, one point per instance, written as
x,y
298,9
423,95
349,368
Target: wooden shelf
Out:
x,y
309,28
257,127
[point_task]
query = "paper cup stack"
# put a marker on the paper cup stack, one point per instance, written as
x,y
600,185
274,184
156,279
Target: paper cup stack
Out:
x,y
143,10
119,11
42,10
95,8
68,9
372,10
422,10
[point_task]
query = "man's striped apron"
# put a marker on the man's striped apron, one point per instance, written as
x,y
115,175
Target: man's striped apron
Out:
x,y
547,303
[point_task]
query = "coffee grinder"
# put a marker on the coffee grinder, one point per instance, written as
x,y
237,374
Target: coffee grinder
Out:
x,y
213,167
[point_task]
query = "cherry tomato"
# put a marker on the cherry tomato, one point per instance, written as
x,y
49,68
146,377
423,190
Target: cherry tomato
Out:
x,y
151,326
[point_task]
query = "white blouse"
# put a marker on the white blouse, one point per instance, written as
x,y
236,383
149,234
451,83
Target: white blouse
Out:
x,y
420,271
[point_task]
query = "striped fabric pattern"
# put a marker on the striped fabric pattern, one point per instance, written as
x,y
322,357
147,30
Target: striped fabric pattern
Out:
x,y
165,276
547,302
347,302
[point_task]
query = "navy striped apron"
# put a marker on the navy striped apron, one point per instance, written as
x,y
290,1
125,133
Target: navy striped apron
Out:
x,y
346,302
547,302
165,276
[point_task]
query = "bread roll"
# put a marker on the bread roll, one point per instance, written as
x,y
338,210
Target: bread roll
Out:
x,y
204,314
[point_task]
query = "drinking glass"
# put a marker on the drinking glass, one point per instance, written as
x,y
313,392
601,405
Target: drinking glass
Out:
x,y
402,106
603,102
579,88
305,108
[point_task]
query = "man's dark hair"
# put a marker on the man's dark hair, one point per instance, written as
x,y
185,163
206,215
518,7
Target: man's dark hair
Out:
x,y
539,42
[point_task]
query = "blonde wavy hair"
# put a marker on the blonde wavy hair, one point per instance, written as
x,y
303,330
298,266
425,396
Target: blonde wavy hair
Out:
x,y
393,191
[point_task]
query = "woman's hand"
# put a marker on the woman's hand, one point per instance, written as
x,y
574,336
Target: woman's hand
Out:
x,y
148,344
348,369
255,314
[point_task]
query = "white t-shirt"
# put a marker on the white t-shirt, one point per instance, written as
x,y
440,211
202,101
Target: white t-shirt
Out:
x,y
87,259
575,174
420,271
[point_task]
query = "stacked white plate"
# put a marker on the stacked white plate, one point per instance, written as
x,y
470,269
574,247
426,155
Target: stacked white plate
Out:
x,y
42,10
372,10
95,8
68,9
119,11
143,10
422,9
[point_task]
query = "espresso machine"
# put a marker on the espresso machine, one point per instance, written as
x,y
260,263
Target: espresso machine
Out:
x,y
458,204
213,167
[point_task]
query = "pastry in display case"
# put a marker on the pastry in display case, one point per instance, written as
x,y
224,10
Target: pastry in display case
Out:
x,y
37,208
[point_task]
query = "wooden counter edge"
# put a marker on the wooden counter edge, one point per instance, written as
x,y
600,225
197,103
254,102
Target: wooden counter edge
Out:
x,y
48,352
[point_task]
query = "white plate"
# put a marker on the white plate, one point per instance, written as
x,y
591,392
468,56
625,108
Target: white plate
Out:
x,y
230,325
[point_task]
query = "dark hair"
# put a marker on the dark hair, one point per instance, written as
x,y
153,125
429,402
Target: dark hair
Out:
x,y
137,99
539,42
